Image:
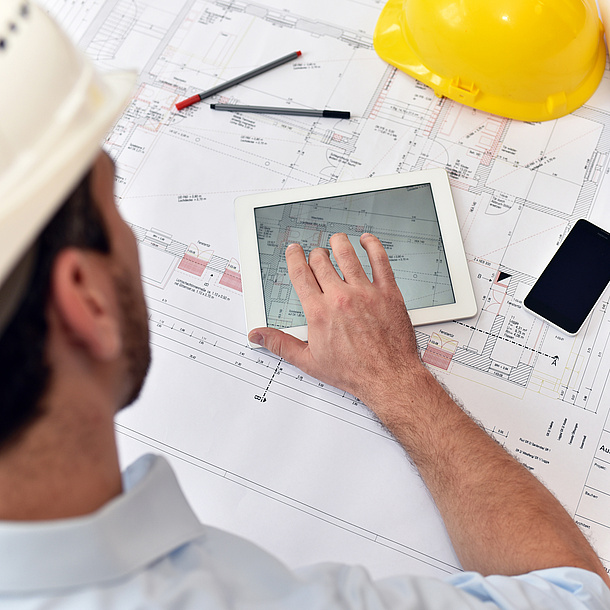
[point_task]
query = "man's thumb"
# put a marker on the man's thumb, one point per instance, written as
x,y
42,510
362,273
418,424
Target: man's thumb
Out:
x,y
279,343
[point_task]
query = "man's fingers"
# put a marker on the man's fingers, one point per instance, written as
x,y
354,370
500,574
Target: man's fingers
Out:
x,y
301,275
323,269
347,259
280,343
378,257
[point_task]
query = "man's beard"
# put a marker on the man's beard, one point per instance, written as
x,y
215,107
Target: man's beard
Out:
x,y
134,330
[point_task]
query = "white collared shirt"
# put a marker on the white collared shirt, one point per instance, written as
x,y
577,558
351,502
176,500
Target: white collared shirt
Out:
x,y
146,549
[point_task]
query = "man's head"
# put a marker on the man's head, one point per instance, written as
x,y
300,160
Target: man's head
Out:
x,y
58,221
85,286
123,264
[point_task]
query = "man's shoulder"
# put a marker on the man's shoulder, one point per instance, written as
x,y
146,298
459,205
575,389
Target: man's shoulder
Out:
x,y
147,547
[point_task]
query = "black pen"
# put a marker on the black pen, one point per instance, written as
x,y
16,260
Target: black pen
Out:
x,y
329,114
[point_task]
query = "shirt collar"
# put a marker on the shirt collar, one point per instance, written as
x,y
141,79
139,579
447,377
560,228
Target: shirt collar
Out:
x,y
150,519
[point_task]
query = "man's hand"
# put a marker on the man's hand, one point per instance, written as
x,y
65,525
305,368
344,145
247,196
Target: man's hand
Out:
x,y
360,335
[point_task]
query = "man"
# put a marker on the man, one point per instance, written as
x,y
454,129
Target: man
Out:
x,y
75,533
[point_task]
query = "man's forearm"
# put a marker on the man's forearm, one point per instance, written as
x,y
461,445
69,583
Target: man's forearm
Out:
x,y
500,518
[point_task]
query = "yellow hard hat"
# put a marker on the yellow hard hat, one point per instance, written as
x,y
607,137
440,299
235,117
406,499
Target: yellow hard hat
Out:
x,y
532,60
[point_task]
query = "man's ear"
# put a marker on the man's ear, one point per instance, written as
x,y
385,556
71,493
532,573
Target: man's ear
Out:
x,y
83,294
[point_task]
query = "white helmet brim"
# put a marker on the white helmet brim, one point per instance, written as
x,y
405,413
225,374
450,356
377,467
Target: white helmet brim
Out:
x,y
52,130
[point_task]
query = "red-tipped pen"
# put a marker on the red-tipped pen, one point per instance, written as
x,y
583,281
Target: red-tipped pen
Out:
x,y
237,80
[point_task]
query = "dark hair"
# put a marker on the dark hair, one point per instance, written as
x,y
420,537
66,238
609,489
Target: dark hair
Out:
x,y
24,371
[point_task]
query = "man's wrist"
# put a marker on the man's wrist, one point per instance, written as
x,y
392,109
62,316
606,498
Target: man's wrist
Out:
x,y
405,394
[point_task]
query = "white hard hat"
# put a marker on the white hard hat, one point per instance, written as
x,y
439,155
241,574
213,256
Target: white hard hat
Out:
x,y
55,110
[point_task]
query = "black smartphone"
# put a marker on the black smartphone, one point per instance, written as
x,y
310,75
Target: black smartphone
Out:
x,y
574,280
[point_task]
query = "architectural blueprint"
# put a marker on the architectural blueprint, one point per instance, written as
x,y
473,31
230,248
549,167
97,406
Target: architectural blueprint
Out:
x,y
261,449
404,219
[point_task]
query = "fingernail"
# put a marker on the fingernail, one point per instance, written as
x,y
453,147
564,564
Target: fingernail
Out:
x,y
292,246
256,338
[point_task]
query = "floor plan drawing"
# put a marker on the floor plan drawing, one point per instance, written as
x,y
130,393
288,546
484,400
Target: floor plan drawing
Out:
x,y
260,448
404,219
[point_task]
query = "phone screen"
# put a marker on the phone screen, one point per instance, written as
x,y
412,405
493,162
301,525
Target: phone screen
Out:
x,y
574,280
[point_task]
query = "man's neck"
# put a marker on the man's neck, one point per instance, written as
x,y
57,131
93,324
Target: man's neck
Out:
x,y
59,469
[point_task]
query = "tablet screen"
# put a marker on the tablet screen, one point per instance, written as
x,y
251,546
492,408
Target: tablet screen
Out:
x,y
403,218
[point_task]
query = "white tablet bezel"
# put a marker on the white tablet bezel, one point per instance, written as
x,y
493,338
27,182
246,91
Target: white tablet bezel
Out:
x,y
465,303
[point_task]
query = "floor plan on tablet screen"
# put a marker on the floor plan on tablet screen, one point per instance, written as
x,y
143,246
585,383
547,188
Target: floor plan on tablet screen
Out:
x,y
404,219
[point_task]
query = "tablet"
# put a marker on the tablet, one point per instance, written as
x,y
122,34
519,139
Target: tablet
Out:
x,y
412,214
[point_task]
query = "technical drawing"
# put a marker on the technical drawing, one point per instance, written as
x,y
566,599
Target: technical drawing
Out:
x,y
439,351
412,239
518,188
